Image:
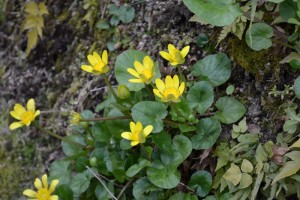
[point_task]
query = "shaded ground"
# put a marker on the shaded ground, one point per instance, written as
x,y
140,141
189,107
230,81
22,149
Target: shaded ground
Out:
x,y
52,75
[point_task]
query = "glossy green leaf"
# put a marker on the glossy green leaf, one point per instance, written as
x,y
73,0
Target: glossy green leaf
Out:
x,y
101,132
230,89
246,166
134,169
126,13
80,182
259,36
150,113
64,192
215,12
163,141
208,131
290,168
201,182
230,110
201,96
183,196
59,169
288,9
297,87
163,176
125,61
233,174
71,149
216,69
144,190
246,181
101,193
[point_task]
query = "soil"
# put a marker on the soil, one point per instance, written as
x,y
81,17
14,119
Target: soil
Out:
x,y
51,75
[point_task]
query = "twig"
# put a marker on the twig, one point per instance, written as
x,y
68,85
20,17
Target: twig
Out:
x,y
125,187
187,187
99,179
105,118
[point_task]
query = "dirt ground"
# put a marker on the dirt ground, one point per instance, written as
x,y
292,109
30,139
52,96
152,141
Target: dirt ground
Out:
x,y
51,75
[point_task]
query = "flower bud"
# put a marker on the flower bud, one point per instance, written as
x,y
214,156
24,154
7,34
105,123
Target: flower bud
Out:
x,y
123,92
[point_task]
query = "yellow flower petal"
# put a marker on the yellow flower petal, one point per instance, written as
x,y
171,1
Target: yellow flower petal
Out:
x,y
19,109
185,51
157,93
138,66
96,55
38,184
147,130
15,125
138,127
126,135
133,143
174,63
14,114
53,185
171,49
87,68
31,105
148,63
160,85
133,72
105,57
165,55
132,126
37,113
181,88
45,181
105,69
54,197
135,80
175,81
30,193
93,61
169,82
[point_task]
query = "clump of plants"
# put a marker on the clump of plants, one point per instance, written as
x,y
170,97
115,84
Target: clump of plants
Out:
x,y
149,125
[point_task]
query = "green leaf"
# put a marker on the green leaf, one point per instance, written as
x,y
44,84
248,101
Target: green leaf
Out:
x,y
163,176
201,96
102,24
230,89
233,174
183,196
246,166
260,154
296,144
288,9
101,193
216,69
80,182
246,181
215,12
230,110
99,154
64,192
259,36
163,141
290,126
201,181
126,13
125,61
59,169
101,132
116,127
144,190
71,149
275,1
290,168
134,169
208,131
297,87
150,113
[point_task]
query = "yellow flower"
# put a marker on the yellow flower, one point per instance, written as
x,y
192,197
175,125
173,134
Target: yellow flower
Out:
x,y
43,192
137,134
170,90
143,72
175,57
98,64
25,116
74,118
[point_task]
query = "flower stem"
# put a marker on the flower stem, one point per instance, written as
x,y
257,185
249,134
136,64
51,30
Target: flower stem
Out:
x,y
58,136
182,78
145,151
105,118
149,91
110,87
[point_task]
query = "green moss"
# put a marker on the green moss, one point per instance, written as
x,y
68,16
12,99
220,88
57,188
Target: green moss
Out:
x,y
258,63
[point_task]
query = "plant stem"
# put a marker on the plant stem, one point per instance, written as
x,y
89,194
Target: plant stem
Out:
x,y
145,151
110,87
105,118
205,115
58,136
125,187
170,122
149,91
181,74
283,43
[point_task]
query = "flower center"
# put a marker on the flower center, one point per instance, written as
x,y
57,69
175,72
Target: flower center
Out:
x,y
27,117
138,136
43,194
171,94
98,67
178,58
146,75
